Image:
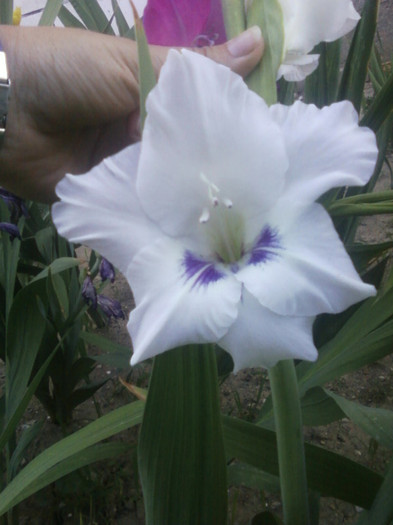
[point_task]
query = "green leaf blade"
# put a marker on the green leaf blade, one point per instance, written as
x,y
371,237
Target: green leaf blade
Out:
x,y
50,12
181,435
267,14
104,427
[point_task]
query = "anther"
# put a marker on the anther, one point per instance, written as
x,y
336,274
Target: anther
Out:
x,y
205,216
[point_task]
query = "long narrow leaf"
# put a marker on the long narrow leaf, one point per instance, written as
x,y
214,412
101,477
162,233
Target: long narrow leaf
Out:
x,y
376,422
25,329
93,454
96,11
147,76
104,427
321,87
328,473
181,455
381,107
59,265
319,409
20,409
365,337
381,512
341,358
25,439
355,70
120,18
105,344
6,10
248,476
116,356
50,12
68,19
85,15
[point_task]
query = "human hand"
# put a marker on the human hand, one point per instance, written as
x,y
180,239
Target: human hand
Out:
x,y
75,100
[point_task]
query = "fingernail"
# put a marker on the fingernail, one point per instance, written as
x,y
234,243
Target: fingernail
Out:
x,y
245,43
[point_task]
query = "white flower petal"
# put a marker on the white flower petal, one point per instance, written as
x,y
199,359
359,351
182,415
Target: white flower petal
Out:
x,y
308,22
260,337
205,129
296,68
101,209
174,309
326,149
214,166
312,273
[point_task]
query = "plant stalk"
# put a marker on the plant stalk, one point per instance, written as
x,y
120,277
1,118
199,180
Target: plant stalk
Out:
x,y
234,17
289,429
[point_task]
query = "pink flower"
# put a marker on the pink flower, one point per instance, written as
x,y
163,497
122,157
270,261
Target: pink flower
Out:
x,y
184,22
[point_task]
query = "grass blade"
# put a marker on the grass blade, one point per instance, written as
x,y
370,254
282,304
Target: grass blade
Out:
x,y
147,76
50,12
104,427
356,66
328,473
6,10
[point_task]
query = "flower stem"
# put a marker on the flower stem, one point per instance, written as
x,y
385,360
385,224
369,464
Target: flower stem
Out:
x,y
268,15
234,17
181,454
291,458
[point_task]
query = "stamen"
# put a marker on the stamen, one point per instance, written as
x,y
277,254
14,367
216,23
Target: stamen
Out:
x,y
212,189
228,203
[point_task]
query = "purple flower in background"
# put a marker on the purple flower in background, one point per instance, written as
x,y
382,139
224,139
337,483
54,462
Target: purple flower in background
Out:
x,y
110,307
107,270
15,204
89,292
11,229
184,22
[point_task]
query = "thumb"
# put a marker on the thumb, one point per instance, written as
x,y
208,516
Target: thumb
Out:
x,y
242,53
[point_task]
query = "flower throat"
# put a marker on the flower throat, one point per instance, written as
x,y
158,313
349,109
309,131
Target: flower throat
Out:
x,y
223,225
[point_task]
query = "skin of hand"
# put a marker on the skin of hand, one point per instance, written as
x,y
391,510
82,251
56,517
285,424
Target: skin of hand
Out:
x,y
75,100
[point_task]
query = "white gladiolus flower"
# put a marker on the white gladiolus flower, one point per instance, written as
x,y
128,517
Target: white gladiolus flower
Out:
x,y
213,217
306,23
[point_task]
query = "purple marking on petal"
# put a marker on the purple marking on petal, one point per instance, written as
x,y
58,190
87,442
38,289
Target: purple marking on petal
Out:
x,y
204,271
234,267
262,250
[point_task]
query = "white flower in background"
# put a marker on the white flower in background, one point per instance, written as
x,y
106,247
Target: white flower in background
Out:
x,y
213,219
308,22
